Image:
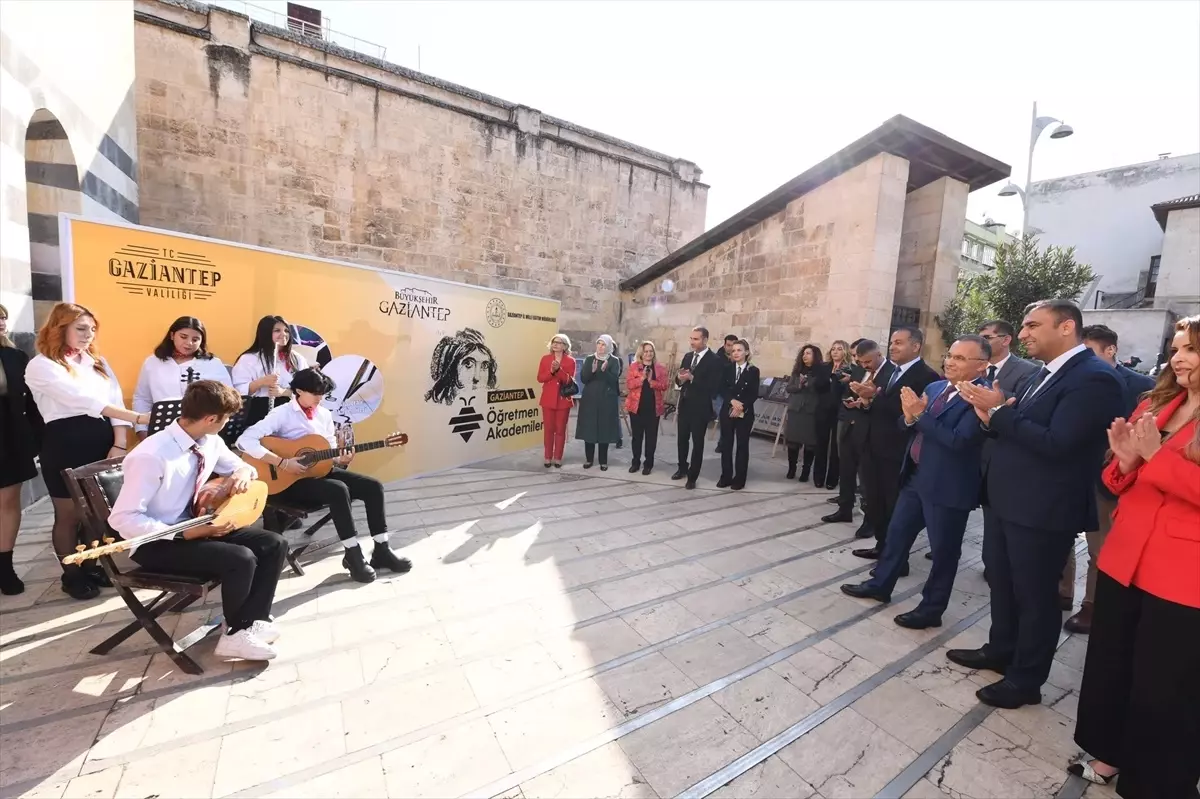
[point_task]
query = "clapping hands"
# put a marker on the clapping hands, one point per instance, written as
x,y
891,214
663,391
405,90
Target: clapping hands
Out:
x,y
912,403
1133,442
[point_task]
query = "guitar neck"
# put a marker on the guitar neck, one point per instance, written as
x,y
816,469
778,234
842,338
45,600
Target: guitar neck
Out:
x,y
326,454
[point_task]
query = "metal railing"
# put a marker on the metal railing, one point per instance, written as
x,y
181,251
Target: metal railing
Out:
x,y
1122,300
304,28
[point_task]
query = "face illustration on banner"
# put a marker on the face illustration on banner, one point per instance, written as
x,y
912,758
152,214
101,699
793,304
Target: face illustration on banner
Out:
x,y
462,362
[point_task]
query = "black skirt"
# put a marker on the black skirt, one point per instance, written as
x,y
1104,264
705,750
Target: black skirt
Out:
x,y
70,443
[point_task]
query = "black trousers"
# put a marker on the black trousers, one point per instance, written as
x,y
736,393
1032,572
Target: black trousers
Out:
x,y
827,432
247,562
1139,704
589,452
691,432
852,441
881,488
337,490
735,456
1023,566
645,429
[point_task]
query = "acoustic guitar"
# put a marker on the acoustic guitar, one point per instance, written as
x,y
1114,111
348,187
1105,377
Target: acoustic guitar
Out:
x,y
239,510
312,451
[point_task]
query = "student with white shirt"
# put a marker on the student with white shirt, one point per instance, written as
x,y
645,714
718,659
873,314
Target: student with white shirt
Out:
x,y
86,421
180,359
304,416
267,366
162,480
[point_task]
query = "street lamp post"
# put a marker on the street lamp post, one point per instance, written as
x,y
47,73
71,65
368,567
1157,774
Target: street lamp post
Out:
x,y
1036,126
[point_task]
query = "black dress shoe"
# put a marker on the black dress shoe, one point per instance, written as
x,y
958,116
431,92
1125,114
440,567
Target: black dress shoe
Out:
x,y
76,584
95,572
1008,695
916,620
679,475
864,531
587,465
804,476
874,553
833,500
604,467
977,659
737,486
647,468
791,475
866,591
690,485
904,570
832,486
384,557
838,516
360,570
724,482
633,467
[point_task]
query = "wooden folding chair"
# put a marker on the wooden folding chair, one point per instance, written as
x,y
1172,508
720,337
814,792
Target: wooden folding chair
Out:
x,y
285,514
94,488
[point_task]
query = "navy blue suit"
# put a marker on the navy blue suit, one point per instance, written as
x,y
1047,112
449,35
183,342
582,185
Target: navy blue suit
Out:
x,y
938,495
1041,487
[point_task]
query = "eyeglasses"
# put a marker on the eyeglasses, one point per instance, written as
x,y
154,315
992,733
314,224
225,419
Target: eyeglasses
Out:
x,y
960,359
994,336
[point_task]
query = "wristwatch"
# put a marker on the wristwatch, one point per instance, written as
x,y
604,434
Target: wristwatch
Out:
x,y
992,411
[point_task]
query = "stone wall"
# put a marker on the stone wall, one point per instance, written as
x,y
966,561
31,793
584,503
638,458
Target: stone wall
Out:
x,y
1179,271
253,134
930,256
68,138
821,269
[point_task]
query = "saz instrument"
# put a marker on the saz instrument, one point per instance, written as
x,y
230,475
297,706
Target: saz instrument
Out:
x,y
239,510
312,451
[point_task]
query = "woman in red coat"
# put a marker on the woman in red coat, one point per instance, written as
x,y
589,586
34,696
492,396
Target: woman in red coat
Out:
x,y
647,383
1139,704
557,369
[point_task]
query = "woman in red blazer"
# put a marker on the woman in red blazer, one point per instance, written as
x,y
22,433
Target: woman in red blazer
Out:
x,y
1139,703
647,383
556,369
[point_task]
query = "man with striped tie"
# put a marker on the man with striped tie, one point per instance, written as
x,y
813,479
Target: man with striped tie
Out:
x,y
940,482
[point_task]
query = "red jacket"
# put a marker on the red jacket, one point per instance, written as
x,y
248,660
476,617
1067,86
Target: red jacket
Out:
x,y
1155,538
634,380
551,381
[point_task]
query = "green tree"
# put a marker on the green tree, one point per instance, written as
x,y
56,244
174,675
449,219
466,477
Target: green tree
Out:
x,y
1023,274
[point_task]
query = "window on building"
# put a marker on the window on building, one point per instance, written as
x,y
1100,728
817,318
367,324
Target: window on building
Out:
x,y
966,247
1152,277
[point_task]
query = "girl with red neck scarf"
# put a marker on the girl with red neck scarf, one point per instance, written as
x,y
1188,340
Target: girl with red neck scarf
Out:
x,y
304,416
180,359
267,366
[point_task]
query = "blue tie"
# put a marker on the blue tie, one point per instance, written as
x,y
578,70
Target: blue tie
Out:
x,y
895,376
1038,379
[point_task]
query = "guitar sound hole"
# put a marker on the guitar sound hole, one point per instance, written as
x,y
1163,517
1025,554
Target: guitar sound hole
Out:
x,y
305,457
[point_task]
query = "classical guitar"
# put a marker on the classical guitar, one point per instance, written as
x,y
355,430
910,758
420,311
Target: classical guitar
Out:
x,y
239,510
312,451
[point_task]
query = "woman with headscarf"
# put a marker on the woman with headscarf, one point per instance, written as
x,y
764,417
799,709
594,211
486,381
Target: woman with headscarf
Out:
x,y
599,418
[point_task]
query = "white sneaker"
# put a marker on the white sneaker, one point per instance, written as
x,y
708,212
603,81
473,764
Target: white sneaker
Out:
x,y
265,631
244,645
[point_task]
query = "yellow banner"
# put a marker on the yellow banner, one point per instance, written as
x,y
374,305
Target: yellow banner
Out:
x,y
452,365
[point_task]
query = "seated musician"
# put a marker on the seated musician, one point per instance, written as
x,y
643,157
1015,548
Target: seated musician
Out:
x,y
304,416
161,480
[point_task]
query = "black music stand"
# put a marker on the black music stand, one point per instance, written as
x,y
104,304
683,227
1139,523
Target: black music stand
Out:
x,y
163,413
236,425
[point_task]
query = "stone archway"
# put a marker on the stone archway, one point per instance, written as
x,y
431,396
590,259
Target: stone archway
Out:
x,y
51,187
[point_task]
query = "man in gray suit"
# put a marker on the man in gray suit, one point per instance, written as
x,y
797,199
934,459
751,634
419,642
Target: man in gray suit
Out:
x,y
1005,370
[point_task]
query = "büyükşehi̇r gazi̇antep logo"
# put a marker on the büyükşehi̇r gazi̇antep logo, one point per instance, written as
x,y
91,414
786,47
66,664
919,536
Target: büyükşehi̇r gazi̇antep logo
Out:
x,y
163,273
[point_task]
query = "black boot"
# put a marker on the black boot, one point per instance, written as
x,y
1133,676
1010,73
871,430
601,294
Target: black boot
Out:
x,y
353,561
793,459
95,572
382,557
75,583
804,474
10,583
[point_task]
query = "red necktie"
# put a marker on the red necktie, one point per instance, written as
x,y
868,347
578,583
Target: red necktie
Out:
x,y
193,508
938,404
309,413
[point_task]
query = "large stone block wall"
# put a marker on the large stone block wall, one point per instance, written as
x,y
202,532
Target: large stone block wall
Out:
x,y
821,269
930,256
252,134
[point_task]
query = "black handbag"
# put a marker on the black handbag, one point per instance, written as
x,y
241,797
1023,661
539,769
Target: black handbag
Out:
x,y
568,390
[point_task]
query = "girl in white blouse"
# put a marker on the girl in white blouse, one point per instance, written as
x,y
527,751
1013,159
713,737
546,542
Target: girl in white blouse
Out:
x,y
266,368
180,359
86,421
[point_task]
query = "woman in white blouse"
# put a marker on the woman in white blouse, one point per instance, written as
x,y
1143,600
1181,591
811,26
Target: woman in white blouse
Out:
x,y
266,368
180,359
86,421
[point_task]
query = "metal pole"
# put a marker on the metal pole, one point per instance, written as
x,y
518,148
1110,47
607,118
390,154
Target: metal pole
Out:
x,y
1033,137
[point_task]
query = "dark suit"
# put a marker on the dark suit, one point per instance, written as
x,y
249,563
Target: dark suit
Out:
x,y
887,441
736,432
1041,487
695,408
20,423
938,495
853,424
1013,379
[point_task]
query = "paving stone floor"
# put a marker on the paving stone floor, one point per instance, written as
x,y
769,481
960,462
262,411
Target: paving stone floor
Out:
x,y
563,634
